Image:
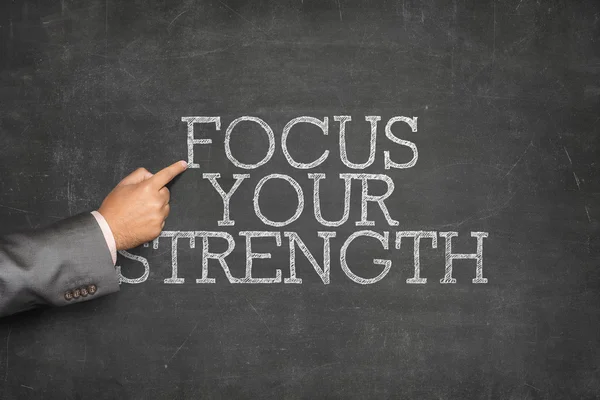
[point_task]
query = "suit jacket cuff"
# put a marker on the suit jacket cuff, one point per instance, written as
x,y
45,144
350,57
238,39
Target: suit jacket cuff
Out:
x,y
64,263
86,265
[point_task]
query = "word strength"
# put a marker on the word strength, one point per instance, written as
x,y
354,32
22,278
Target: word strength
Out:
x,y
306,192
295,242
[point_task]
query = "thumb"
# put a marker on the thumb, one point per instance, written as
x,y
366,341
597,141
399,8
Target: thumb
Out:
x,y
137,176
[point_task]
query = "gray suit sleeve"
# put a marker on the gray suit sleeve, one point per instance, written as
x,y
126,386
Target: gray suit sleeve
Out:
x,y
64,263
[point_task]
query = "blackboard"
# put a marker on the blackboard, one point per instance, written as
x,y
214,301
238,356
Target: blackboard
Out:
x,y
506,95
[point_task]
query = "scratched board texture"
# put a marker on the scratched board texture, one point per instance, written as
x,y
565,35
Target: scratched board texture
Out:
x,y
507,95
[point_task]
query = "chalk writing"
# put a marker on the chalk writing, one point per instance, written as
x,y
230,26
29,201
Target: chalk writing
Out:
x,y
384,240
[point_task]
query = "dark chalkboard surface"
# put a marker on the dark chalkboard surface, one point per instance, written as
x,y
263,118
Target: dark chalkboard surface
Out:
x,y
507,98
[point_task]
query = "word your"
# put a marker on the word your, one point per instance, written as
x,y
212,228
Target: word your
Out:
x,y
294,241
365,198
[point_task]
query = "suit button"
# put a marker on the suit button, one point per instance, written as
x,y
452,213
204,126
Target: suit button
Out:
x,y
76,293
92,289
84,291
68,295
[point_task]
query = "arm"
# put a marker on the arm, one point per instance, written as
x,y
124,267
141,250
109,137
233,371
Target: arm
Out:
x,y
73,260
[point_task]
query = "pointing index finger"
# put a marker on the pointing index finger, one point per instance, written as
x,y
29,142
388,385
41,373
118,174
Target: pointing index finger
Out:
x,y
166,175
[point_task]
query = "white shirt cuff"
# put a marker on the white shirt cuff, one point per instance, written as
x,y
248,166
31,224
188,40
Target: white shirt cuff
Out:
x,y
108,235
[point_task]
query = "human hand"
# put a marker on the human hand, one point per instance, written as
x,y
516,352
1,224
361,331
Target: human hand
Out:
x,y
137,207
